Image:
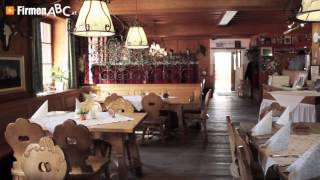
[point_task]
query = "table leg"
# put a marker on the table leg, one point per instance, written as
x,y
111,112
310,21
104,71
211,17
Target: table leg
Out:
x,y
117,142
135,155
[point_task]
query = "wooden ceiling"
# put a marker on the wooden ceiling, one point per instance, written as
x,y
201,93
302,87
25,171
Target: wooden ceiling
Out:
x,y
200,18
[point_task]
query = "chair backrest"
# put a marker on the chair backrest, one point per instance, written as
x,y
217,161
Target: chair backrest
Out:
x,y
44,161
75,141
276,109
110,99
244,167
206,101
20,134
241,142
89,104
121,105
231,133
152,104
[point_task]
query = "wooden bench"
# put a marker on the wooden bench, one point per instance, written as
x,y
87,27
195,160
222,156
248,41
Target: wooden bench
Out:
x,y
192,91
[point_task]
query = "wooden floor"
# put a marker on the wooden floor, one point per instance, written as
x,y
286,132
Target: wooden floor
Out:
x,y
174,160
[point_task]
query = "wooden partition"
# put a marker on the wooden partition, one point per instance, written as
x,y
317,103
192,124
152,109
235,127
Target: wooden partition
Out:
x,y
188,91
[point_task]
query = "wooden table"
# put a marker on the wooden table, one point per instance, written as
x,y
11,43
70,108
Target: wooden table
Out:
x,y
116,134
263,154
171,104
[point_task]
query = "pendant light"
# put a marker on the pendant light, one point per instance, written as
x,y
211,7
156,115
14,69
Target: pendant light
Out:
x,y
136,37
94,20
309,10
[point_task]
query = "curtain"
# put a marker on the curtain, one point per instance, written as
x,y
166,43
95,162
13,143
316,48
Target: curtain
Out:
x,y
72,81
37,84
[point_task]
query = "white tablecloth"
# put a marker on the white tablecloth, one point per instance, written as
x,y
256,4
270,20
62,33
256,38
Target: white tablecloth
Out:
x,y
301,113
136,101
58,117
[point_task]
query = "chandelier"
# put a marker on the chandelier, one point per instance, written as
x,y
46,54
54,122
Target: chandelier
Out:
x,y
157,51
94,20
309,10
136,37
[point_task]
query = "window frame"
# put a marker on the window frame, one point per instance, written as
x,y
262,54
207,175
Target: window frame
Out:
x,y
51,23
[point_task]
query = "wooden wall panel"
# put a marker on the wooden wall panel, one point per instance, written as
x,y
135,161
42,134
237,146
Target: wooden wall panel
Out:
x,y
20,45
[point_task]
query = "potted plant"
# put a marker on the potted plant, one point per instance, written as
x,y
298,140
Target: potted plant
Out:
x,y
83,113
58,76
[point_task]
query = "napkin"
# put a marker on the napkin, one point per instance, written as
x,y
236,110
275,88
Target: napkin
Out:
x,y
307,166
77,109
41,112
264,126
280,140
285,117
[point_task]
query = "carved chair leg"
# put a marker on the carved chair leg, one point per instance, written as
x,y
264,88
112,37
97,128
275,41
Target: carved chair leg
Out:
x,y
143,134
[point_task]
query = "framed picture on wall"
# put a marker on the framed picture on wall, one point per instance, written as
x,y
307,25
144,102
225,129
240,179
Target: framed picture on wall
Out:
x,y
266,51
12,74
287,40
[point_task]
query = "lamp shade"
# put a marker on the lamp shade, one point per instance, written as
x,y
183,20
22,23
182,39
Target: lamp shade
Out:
x,y
94,20
309,11
136,38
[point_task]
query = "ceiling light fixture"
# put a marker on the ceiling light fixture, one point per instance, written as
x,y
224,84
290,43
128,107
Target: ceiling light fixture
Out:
x,y
94,20
309,11
136,37
227,17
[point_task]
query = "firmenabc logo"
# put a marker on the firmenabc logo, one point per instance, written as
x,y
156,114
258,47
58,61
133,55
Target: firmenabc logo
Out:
x,y
9,10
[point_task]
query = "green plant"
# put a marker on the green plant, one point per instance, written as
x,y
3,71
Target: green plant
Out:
x,y
57,74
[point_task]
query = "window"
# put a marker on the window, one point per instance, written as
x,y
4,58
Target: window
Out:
x,y
46,45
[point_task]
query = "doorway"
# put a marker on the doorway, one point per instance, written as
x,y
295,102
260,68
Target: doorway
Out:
x,y
223,73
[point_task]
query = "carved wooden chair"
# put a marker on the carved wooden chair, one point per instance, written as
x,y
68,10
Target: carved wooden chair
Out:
x,y
110,99
44,160
234,169
276,109
244,166
76,142
152,104
19,135
121,105
246,158
202,116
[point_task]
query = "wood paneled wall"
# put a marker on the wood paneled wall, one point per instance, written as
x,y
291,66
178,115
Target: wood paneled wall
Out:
x,y
20,45
315,46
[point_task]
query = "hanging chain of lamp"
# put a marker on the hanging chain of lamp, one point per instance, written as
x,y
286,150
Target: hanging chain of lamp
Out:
x,y
309,11
136,37
94,20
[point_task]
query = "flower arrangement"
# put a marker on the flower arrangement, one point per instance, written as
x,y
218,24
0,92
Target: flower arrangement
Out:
x,y
57,74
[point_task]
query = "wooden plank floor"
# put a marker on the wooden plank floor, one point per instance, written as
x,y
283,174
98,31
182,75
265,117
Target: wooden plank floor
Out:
x,y
191,161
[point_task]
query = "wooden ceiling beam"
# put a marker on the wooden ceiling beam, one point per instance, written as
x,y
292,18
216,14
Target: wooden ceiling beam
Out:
x,y
236,30
119,7
124,7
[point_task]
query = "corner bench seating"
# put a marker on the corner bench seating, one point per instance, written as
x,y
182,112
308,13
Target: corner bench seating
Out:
x,y
189,91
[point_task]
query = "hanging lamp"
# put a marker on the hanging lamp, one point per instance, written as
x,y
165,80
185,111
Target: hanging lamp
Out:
x,y
136,37
309,11
94,20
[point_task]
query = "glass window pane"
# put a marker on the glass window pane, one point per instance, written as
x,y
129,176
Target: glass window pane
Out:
x,y
46,53
46,73
45,32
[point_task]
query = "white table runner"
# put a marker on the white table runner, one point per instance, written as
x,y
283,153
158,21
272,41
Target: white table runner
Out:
x,y
58,117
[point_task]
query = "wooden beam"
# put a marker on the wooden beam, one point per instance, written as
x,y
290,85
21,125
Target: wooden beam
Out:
x,y
236,30
118,7
123,7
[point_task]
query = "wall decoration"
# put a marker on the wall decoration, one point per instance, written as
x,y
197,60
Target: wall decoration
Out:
x,y
266,51
287,40
12,74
